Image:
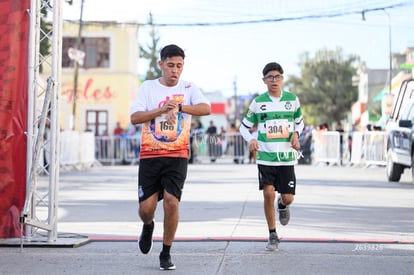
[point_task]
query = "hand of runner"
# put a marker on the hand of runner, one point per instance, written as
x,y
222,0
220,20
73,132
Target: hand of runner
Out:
x,y
253,145
294,141
172,117
170,105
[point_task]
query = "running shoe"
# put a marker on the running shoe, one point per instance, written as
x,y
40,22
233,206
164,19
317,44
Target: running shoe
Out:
x,y
284,214
165,262
273,243
145,241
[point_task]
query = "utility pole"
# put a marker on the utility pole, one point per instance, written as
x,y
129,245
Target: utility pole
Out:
x,y
389,45
76,68
389,48
236,113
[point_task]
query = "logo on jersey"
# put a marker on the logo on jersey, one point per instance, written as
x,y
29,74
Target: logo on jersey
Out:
x,y
288,105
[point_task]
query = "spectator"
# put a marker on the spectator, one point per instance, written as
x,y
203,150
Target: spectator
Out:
x,y
341,131
238,145
118,132
212,141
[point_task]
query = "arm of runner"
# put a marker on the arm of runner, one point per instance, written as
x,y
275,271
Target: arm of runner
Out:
x,y
144,116
200,109
252,142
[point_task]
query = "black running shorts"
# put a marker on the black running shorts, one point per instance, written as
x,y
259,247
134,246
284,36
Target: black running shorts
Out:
x,y
159,174
281,177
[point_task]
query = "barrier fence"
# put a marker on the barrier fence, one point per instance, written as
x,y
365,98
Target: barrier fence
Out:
x,y
77,151
82,149
357,148
125,150
370,148
327,147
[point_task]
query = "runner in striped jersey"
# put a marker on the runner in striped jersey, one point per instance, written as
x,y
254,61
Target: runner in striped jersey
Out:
x,y
278,117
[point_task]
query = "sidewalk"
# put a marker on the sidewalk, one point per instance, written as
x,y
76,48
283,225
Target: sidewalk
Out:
x,y
340,225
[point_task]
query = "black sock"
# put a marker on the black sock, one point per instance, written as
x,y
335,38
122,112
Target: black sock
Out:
x,y
165,249
272,230
149,226
280,205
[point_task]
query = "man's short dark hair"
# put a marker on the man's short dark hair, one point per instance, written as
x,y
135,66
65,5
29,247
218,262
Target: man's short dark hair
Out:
x,y
171,51
273,66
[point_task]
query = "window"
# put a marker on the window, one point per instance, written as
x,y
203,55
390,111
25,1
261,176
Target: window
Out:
x,y
97,122
96,51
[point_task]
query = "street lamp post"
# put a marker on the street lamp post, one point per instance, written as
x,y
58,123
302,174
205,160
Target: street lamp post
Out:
x,y
76,68
389,45
389,48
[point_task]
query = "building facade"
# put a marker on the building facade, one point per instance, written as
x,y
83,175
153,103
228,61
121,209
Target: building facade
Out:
x,y
374,88
107,78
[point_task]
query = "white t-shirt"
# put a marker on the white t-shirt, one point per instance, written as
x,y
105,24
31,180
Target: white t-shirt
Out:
x,y
160,139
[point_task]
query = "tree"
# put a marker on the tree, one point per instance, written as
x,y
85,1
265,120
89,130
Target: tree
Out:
x,y
151,53
325,86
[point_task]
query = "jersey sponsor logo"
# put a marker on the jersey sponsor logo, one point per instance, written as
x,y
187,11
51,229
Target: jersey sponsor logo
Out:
x,y
288,105
263,107
285,156
179,98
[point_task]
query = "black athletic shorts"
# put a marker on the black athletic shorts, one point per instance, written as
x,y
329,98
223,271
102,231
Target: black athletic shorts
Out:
x,y
157,174
281,177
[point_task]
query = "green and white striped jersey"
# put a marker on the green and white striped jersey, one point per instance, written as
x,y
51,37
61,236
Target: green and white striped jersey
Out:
x,y
276,121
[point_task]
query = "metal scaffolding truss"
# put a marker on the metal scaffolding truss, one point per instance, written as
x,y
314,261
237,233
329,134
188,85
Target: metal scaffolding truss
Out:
x,y
39,215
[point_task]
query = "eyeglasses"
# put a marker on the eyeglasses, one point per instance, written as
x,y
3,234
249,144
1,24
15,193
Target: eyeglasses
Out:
x,y
274,77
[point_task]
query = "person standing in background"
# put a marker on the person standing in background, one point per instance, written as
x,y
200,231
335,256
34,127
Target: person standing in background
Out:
x,y
118,133
212,141
341,132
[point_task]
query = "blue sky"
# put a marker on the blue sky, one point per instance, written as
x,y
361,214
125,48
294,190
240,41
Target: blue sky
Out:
x,y
218,56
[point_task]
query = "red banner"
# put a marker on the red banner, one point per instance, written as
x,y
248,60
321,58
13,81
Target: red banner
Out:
x,y
14,29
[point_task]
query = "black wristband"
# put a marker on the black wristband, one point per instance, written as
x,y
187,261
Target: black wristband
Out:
x,y
180,107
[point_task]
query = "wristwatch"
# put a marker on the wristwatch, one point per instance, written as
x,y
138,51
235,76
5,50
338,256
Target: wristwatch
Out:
x,y
180,107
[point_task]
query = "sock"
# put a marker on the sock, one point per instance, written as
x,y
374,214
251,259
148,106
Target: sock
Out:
x,y
165,249
149,226
272,231
281,205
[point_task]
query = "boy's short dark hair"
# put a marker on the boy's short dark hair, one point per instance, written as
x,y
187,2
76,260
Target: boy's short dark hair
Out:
x,y
272,66
171,51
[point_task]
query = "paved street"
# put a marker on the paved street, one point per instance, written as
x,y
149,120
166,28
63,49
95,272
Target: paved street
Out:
x,y
345,220
223,201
